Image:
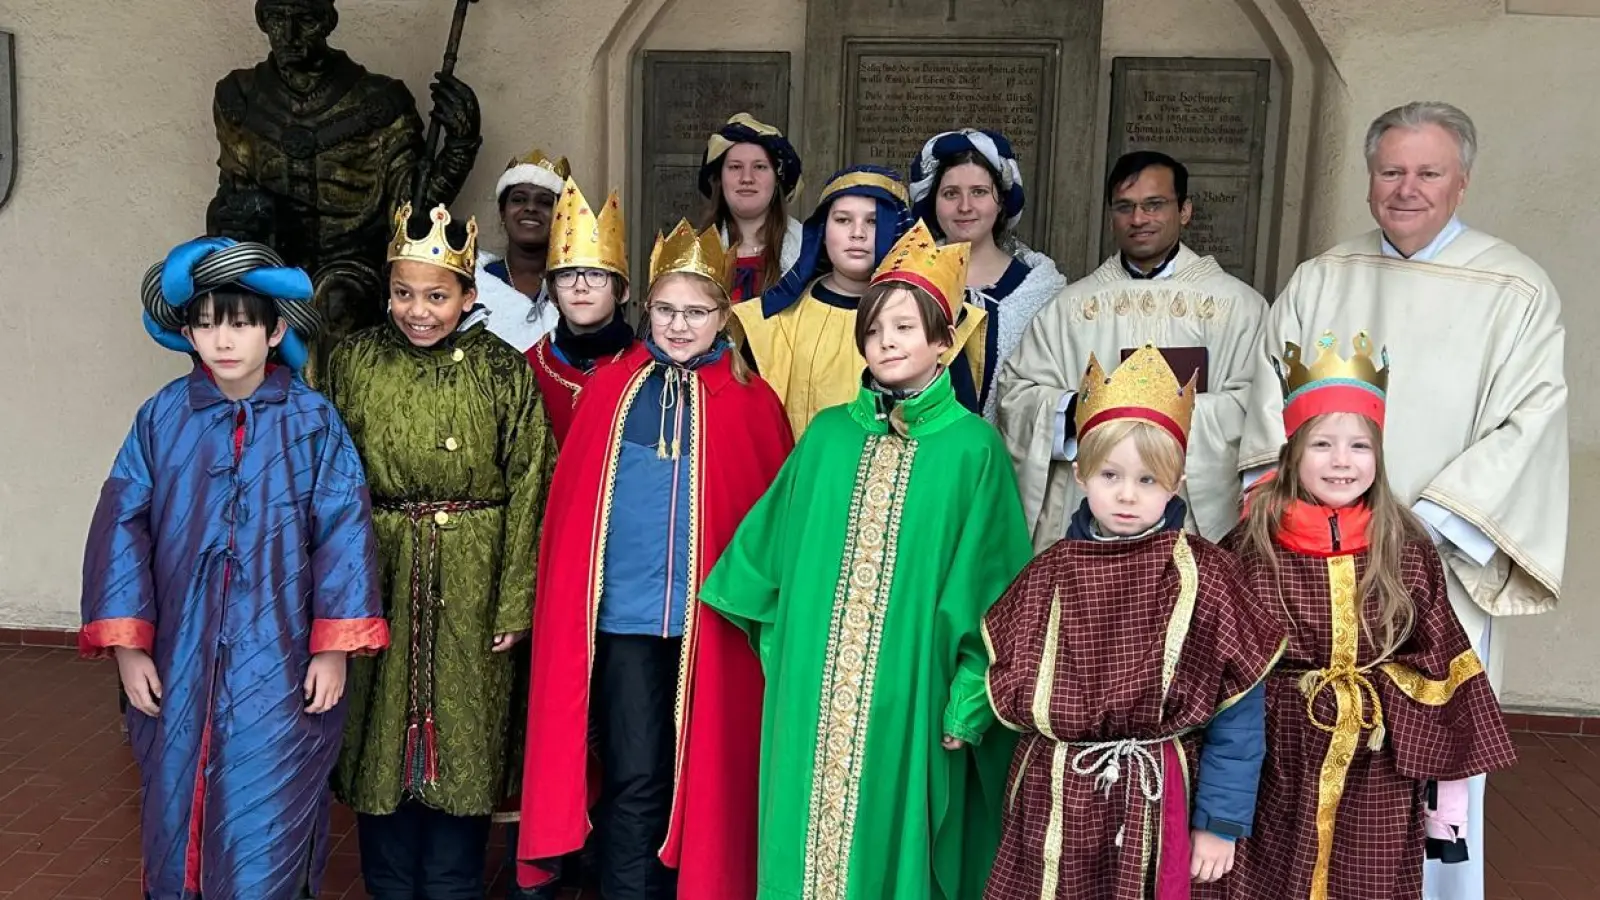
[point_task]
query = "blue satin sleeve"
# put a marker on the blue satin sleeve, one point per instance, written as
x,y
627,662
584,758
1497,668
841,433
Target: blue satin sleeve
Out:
x,y
346,604
118,581
1230,767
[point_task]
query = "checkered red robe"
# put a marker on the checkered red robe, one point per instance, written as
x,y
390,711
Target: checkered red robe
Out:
x,y
1115,600
1378,831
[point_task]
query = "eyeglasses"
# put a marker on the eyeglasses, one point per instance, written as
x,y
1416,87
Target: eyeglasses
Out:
x,y
1151,207
694,316
595,278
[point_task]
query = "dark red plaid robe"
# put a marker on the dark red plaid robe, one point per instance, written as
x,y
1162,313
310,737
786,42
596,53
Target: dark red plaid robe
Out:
x,y
1377,825
1115,600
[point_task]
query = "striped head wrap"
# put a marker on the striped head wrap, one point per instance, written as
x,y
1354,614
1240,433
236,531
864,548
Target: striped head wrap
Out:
x,y
198,267
992,146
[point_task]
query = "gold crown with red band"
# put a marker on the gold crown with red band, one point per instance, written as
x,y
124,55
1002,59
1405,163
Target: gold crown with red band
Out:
x,y
917,259
1143,388
1332,383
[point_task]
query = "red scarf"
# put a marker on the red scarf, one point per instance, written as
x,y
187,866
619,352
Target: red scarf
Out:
x,y
1318,530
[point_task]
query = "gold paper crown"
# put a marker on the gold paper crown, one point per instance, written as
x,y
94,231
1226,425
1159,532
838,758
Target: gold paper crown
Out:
x,y
435,249
536,157
1143,387
1330,366
581,238
684,251
918,259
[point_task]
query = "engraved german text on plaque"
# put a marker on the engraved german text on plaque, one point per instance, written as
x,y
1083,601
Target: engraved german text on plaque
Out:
x,y
900,93
1210,115
684,97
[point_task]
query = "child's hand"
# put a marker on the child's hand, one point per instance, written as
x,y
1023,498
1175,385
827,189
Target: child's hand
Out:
x,y
950,743
504,642
1213,856
325,681
139,680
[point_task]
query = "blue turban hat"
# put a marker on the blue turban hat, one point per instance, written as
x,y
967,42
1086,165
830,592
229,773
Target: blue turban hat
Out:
x,y
992,146
744,128
894,217
198,267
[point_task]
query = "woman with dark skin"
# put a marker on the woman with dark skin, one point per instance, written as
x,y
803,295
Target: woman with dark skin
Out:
x,y
512,288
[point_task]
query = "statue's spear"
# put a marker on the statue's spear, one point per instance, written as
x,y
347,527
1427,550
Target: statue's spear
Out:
x,y
431,144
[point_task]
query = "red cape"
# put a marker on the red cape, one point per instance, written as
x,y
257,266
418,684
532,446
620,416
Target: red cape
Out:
x,y
741,440
559,383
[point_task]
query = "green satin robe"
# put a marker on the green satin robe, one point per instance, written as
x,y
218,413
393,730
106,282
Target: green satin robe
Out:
x,y
862,577
459,421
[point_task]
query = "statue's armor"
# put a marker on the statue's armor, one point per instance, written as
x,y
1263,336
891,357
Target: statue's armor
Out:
x,y
335,163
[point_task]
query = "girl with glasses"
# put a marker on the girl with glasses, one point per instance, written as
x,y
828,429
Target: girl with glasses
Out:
x,y
669,447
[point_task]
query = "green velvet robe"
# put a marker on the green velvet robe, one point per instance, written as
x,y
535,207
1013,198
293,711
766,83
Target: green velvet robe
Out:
x,y
862,577
458,453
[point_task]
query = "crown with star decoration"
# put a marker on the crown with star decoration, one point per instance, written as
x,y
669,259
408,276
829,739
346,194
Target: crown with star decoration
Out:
x,y
1142,388
580,237
685,252
435,249
917,259
1332,383
535,168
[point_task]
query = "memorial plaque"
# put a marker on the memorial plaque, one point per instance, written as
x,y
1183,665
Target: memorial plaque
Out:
x,y
1210,115
883,77
904,93
8,115
684,97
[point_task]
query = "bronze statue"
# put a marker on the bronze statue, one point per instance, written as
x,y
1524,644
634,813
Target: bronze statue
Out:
x,y
317,153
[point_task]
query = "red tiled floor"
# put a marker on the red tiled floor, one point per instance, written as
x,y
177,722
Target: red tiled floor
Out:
x,y
69,798
69,791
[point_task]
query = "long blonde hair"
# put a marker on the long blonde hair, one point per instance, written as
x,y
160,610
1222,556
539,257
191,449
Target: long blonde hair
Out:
x,y
718,295
1391,527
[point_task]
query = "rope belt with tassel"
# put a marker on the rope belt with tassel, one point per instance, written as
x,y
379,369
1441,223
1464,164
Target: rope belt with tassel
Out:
x,y
1352,690
1103,761
422,740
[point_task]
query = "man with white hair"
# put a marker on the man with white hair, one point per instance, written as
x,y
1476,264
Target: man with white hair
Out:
x,y
1476,440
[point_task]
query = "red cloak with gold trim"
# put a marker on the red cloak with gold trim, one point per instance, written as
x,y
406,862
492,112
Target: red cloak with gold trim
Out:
x,y
559,383
740,441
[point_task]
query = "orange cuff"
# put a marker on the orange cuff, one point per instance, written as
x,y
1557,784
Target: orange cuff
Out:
x,y
97,639
359,636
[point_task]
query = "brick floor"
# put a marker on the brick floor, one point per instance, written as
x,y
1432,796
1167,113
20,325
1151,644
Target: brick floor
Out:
x,y
69,798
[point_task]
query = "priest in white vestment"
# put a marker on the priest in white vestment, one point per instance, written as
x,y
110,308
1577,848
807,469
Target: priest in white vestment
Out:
x,y
1154,289
1476,434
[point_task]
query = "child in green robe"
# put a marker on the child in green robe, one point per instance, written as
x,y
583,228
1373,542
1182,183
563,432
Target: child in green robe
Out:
x,y
861,578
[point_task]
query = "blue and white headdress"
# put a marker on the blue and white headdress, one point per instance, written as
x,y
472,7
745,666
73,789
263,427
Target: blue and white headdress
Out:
x,y
198,267
991,145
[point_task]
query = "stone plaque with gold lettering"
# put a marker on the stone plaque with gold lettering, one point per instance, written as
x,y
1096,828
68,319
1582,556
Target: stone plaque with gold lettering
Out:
x,y
883,77
903,93
1210,115
685,96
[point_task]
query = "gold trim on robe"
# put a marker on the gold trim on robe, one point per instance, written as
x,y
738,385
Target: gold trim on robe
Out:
x,y
1350,687
1427,691
691,632
860,603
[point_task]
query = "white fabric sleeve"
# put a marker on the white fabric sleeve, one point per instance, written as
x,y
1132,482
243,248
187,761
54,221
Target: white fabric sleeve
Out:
x,y
1446,525
1064,444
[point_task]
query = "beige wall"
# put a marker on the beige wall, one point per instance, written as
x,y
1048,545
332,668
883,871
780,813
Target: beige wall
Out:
x,y
118,163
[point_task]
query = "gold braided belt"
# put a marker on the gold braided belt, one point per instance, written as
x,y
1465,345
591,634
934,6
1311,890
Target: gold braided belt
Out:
x,y
1352,690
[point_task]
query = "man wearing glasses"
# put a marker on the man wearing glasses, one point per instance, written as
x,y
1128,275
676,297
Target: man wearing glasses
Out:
x,y
1156,290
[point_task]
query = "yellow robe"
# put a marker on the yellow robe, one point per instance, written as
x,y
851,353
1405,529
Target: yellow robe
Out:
x,y
808,354
1107,312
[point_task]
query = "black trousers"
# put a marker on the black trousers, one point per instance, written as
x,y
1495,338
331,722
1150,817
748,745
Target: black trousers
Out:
x,y
634,691
420,853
